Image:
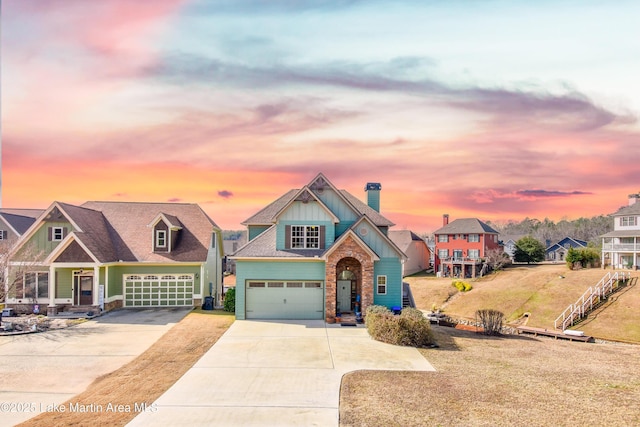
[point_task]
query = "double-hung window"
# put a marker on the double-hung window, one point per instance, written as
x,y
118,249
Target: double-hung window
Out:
x,y
443,238
474,253
474,238
305,237
161,238
628,221
382,285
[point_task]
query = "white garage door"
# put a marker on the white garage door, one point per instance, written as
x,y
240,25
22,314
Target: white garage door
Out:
x,y
158,290
285,299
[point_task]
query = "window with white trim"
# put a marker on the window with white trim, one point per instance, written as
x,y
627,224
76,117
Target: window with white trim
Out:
x,y
628,221
57,233
381,285
161,238
443,238
443,253
32,285
474,253
305,237
474,238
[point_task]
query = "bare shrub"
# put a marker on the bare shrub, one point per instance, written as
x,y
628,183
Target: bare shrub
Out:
x,y
491,321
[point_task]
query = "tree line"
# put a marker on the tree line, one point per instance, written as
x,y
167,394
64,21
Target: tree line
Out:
x,y
587,229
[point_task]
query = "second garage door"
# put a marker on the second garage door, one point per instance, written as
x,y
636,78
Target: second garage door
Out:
x,y
267,299
158,290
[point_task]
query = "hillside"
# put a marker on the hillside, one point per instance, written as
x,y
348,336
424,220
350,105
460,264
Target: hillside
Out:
x,y
544,291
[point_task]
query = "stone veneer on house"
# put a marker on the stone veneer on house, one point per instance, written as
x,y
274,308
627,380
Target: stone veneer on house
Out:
x,y
348,249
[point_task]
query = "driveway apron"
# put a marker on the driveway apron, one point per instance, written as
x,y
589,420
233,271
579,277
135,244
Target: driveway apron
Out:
x,y
285,373
39,371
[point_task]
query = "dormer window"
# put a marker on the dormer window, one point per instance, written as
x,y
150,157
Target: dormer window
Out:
x,y
56,234
161,238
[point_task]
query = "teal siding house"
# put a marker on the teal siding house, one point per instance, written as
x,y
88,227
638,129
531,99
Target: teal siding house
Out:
x,y
315,252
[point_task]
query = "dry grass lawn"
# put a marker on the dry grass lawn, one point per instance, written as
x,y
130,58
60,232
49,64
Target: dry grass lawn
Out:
x,y
507,381
539,290
144,379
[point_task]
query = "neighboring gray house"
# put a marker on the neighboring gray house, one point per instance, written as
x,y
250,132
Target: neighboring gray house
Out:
x,y
558,251
414,247
509,243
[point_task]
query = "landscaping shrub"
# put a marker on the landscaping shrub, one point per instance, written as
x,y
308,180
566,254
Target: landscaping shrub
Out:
x,y
230,300
584,257
410,328
461,285
491,321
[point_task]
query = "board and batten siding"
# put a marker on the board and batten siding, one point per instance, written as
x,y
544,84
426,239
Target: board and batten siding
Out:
x,y
40,240
273,270
392,268
376,242
281,233
336,204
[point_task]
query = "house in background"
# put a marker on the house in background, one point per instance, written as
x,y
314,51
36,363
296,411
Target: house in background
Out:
x,y
105,255
461,245
414,247
508,242
317,251
558,251
621,247
15,222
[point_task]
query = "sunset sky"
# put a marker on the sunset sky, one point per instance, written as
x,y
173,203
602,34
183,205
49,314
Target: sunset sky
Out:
x,y
491,109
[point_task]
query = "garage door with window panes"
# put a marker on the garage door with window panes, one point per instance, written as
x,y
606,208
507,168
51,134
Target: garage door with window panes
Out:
x,y
158,290
272,299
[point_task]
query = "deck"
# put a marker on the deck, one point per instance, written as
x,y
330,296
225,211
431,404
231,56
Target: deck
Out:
x,y
553,333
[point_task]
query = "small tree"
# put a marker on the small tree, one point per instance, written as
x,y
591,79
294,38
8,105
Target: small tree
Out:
x,y
586,257
491,321
496,259
14,281
529,250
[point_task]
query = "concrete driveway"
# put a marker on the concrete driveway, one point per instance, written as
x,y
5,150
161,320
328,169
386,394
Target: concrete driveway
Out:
x,y
285,373
50,367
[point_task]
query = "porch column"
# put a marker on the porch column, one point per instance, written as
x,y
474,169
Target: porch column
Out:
x,y
473,270
96,287
52,286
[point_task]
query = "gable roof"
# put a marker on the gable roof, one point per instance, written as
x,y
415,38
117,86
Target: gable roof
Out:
x,y
466,226
269,214
574,243
504,238
19,220
404,238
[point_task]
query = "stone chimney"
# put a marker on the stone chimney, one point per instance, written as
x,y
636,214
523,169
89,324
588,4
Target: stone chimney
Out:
x,y
633,198
373,195
445,219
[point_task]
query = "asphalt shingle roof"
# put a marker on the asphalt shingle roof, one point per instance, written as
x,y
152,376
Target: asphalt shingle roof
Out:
x,y
466,226
126,227
264,246
21,219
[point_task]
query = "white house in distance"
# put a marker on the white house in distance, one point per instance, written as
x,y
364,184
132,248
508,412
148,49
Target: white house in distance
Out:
x,y
621,247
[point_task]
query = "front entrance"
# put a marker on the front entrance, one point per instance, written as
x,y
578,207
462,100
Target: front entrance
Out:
x,y
82,288
344,296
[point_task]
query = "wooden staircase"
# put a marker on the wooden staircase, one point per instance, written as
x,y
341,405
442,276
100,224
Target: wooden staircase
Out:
x,y
591,299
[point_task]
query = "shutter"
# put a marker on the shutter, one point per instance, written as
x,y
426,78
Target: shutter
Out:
x,y
50,233
287,237
4,234
322,236
64,232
